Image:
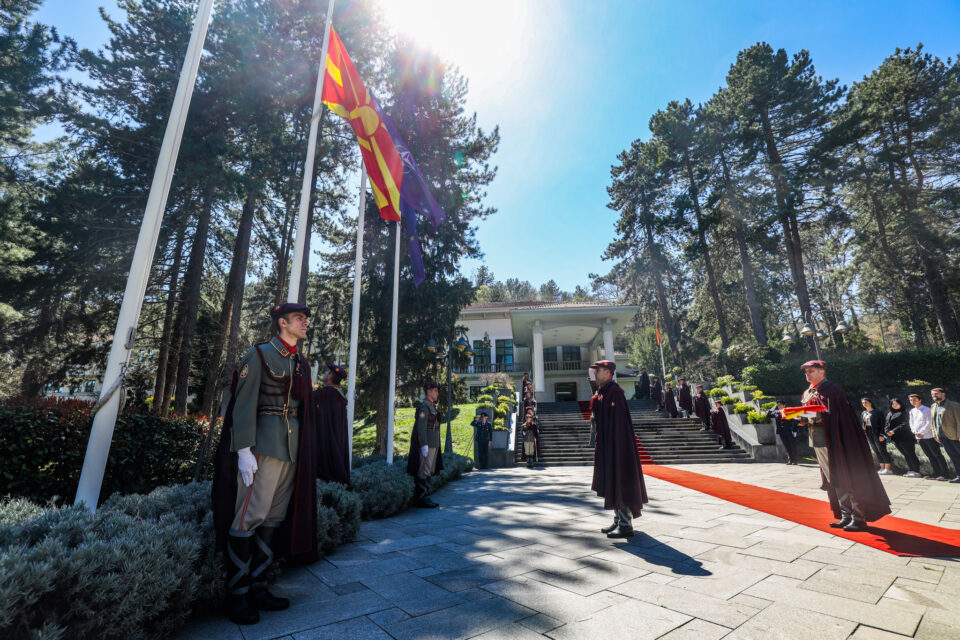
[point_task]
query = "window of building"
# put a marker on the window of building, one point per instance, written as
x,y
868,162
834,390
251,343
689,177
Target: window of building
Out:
x,y
481,354
505,354
571,354
550,354
565,391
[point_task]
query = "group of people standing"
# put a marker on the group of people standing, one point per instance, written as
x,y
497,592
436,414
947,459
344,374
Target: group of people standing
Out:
x,y
683,404
530,427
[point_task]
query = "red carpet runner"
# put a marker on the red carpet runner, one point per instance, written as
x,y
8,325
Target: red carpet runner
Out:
x,y
893,535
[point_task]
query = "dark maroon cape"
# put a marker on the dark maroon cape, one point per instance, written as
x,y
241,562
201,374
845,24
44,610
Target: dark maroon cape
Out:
x,y
333,450
669,404
701,407
656,392
617,473
718,420
298,532
644,385
852,469
684,399
413,460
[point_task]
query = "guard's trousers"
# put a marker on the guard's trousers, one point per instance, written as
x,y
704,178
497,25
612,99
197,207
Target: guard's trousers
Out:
x,y
267,498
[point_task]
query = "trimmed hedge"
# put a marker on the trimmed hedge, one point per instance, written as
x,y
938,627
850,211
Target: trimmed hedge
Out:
x,y
863,372
728,400
717,393
742,408
756,417
141,564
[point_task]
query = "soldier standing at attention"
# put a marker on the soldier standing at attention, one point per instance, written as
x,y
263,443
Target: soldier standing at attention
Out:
x,y
263,460
425,460
482,437
330,421
701,406
684,399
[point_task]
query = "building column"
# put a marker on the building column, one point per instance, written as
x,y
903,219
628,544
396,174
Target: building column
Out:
x,y
608,340
538,384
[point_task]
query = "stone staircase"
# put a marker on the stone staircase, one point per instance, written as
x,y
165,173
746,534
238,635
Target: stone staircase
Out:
x,y
565,437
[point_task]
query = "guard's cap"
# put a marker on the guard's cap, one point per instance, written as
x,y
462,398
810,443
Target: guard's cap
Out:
x,y
609,365
430,385
284,308
820,364
338,373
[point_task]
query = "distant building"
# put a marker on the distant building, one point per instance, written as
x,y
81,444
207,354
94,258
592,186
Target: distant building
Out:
x,y
555,342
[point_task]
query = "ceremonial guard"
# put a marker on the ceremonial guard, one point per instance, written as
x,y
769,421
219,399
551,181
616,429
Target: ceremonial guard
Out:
x,y
849,477
656,392
482,438
644,391
330,419
684,398
718,420
531,440
265,489
617,473
425,460
785,429
701,407
668,402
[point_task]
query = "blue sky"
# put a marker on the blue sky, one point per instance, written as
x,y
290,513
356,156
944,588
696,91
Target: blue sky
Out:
x,y
571,84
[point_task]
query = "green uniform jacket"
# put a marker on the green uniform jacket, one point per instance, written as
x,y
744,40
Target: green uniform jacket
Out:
x,y
427,425
259,390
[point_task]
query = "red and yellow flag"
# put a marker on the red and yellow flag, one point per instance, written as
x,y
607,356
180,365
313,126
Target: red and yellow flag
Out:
x,y
658,331
346,95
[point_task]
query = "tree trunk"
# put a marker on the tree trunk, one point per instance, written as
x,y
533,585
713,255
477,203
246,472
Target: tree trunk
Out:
x,y
235,282
191,302
160,390
707,263
661,293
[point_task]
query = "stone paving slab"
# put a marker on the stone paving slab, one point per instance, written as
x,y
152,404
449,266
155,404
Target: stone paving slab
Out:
x,y
516,554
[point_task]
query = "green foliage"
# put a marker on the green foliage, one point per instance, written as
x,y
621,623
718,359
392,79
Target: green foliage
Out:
x,y
742,407
762,397
383,490
756,417
485,399
862,373
917,383
729,400
348,507
725,380
498,424
767,406
717,393
489,390
747,388
735,386
43,442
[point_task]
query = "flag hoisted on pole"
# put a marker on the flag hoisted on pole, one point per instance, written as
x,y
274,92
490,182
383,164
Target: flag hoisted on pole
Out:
x,y
660,342
124,335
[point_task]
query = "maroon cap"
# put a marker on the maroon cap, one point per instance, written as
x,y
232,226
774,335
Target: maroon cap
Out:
x,y
284,308
814,363
609,365
338,373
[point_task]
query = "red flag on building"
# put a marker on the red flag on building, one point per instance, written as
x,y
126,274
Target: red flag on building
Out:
x,y
346,95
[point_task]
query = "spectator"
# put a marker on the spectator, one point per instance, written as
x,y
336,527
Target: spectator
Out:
x,y
897,428
785,429
871,419
946,423
922,429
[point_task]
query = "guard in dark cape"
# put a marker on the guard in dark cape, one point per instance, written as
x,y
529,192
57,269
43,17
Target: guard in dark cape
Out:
x,y
330,419
849,476
425,460
668,402
482,438
617,473
684,400
701,407
718,420
656,392
265,480
644,391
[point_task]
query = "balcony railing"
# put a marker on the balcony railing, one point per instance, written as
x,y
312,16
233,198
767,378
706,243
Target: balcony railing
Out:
x,y
566,365
519,367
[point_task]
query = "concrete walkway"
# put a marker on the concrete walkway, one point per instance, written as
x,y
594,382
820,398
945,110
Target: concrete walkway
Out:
x,y
516,554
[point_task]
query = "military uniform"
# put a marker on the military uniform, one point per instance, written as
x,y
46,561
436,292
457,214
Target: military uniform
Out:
x,y
482,434
426,431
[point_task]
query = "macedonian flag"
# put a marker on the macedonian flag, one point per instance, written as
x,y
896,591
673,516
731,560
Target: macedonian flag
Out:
x,y
346,95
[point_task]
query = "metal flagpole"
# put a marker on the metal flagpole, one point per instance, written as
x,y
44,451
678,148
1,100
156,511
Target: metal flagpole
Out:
x,y
355,317
662,363
391,400
101,433
306,186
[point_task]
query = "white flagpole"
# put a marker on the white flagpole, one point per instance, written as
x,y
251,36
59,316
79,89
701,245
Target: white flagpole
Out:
x,y
101,433
662,364
391,399
306,186
355,317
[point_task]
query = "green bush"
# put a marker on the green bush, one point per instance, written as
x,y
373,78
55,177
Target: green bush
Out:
x,y
383,490
864,372
725,380
755,417
501,412
43,442
742,407
748,388
717,393
489,390
767,406
763,398
735,386
485,398
728,400
485,405
347,505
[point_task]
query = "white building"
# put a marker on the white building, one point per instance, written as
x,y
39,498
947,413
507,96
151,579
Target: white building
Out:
x,y
555,342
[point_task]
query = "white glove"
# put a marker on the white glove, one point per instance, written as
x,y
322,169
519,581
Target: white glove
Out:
x,y
247,463
423,451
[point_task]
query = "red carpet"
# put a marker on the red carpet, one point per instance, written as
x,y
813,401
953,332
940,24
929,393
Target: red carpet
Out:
x,y
644,456
893,535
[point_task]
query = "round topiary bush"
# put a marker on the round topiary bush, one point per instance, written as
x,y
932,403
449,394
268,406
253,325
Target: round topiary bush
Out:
x,y
717,393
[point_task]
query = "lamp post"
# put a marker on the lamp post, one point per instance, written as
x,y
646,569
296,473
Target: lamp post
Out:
x,y
462,345
808,330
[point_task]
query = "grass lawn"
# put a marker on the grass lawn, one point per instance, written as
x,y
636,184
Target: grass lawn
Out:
x,y
365,431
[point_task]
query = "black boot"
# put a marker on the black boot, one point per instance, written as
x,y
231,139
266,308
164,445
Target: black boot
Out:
x,y
621,532
240,608
843,522
261,598
856,524
612,527
421,489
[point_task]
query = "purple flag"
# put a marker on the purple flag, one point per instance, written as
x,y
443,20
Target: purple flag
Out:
x,y
409,218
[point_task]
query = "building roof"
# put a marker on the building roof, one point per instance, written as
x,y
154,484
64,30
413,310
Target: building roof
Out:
x,y
533,304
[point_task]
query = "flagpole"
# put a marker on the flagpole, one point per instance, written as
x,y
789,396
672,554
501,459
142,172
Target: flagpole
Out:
x,y
101,433
662,363
306,186
391,397
355,317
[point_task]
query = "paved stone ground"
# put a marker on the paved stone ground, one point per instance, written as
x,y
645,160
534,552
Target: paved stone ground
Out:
x,y
516,554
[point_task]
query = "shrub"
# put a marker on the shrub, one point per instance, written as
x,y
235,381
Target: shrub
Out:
x,y
383,490
767,406
742,407
717,393
727,400
498,424
725,380
735,386
501,411
748,388
489,390
763,398
347,505
485,399
43,442
485,405
918,383
755,417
